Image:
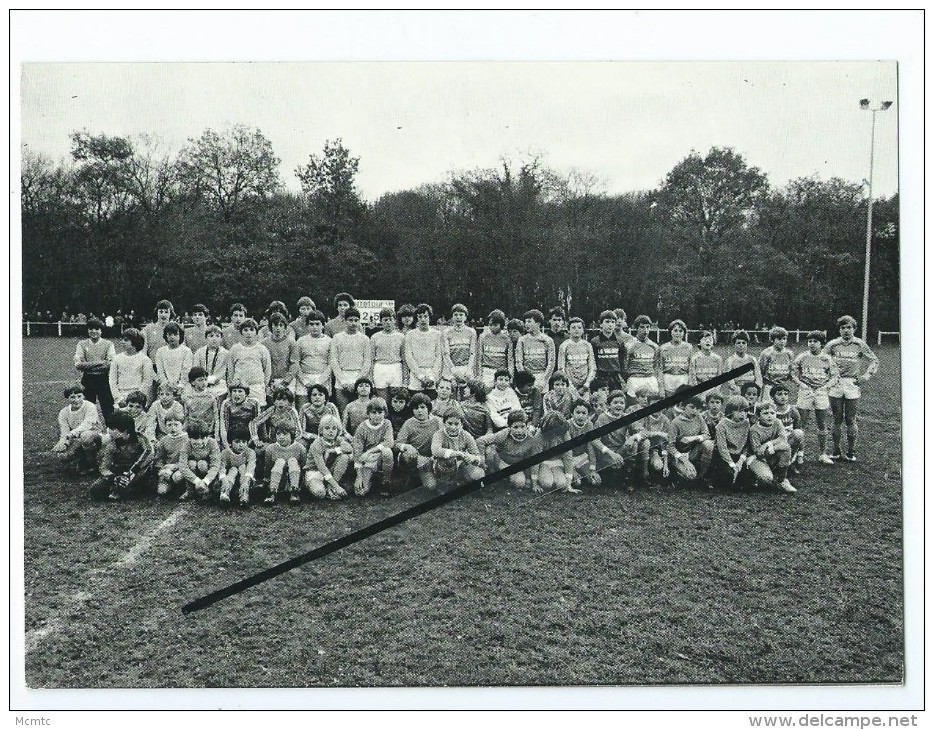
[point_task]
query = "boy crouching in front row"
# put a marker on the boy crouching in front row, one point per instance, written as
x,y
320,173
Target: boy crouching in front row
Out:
x,y
199,462
125,460
237,467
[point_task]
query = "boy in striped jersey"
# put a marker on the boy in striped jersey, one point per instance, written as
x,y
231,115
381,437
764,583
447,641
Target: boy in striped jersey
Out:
x,y
423,354
576,359
609,353
775,361
387,345
459,348
740,357
642,362
675,357
847,351
535,351
815,372
705,363
495,349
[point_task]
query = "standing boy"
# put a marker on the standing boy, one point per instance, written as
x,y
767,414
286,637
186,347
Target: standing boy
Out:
x,y
675,356
815,372
231,331
342,303
535,351
609,353
248,362
387,345
495,349
642,362
576,358
93,357
705,363
739,358
775,361
459,348
423,352
351,358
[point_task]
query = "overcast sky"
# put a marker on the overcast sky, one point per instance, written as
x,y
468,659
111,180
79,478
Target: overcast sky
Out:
x,y
414,123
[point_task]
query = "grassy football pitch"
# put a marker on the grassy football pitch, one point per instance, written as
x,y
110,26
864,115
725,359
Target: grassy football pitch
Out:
x,y
602,588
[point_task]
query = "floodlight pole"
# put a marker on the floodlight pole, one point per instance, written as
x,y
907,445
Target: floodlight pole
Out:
x,y
872,145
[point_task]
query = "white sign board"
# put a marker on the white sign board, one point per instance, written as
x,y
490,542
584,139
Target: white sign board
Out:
x,y
369,310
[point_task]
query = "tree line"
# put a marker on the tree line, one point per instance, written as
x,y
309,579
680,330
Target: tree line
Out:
x,y
125,222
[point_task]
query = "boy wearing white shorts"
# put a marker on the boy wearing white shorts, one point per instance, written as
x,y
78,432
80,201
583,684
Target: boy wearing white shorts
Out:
x,y
815,372
642,360
387,346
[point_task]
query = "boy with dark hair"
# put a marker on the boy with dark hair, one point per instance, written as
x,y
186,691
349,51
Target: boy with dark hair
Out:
x,y
212,357
622,333
739,358
815,372
423,352
237,468
584,457
530,397
714,411
152,332
174,359
93,358
642,361
387,345
705,363
847,352
560,396
790,419
609,354
732,440
413,442
356,410
494,348
237,411
231,332
502,400
689,441
283,355
168,454
248,362
675,359
510,446
342,302
79,429
556,331
199,403
130,370
314,359
283,458
535,351
351,358
459,348
125,461
196,335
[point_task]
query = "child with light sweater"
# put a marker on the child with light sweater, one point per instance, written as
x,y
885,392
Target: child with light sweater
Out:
x,y
79,429
174,359
372,447
131,370
248,362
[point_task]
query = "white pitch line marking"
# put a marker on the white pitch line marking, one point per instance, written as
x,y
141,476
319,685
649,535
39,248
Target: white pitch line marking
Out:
x,y
95,578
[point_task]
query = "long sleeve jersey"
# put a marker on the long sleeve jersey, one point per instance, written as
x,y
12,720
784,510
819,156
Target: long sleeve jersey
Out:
x,y
387,347
249,364
459,348
121,456
155,418
495,352
354,415
577,361
334,326
423,352
536,354
419,433
263,427
173,365
683,427
705,366
79,421
675,359
615,440
442,444
283,357
368,436
848,356
232,460
510,450
314,359
760,435
208,451
732,438
298,328
275,451
201,407
775,365
815,371
309,418
500,404
642,359
129,373
790,418
350,357
169,449
609,354
237,416
94,358
214,361
753,376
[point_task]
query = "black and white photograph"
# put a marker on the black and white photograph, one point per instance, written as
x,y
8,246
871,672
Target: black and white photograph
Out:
x,y
388,370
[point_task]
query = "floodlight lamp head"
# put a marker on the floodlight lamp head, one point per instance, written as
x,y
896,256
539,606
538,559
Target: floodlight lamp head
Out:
x,y
886,105
864,104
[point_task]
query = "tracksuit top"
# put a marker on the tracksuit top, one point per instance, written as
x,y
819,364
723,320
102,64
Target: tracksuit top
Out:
x,y
309,419
126,455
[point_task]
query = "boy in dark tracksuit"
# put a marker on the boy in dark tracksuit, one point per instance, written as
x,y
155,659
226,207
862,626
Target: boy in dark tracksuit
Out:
x,y
125,460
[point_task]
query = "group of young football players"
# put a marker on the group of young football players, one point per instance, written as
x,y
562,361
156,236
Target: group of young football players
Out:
x,y
313,404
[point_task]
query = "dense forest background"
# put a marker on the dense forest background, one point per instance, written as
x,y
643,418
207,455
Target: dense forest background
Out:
x,y
125,222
